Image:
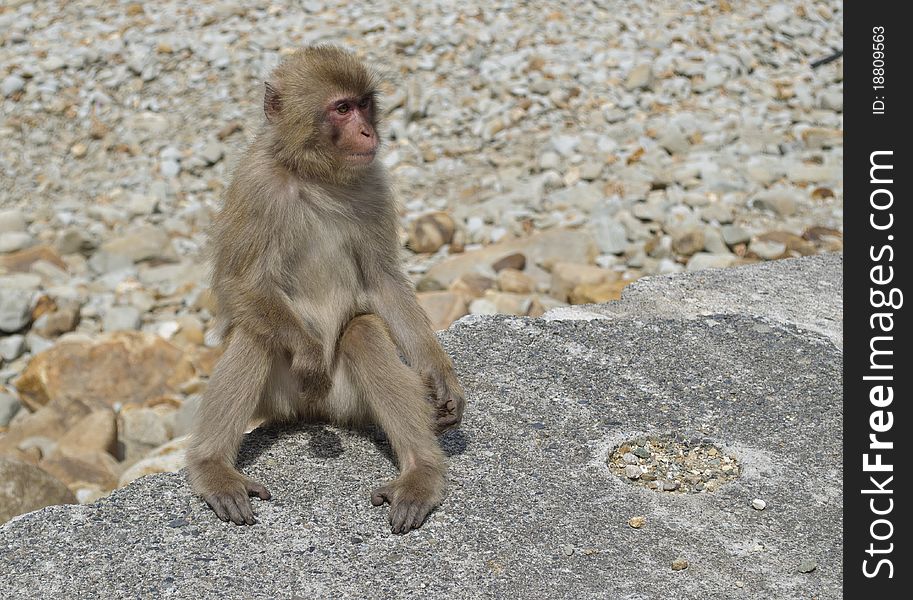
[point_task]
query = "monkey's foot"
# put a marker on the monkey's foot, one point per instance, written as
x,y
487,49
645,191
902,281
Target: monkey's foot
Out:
x,y
232,503
409,502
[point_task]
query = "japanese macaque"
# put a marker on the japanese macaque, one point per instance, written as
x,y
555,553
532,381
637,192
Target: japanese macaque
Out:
x,y
320,322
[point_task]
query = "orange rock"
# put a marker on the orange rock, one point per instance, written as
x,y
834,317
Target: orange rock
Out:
x,y
518,282
125,367
472,285
567,276
23,259
26,488
595,293
429,232
443,308
91,466
95,431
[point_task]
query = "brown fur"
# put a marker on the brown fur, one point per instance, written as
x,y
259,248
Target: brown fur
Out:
x,y
314,304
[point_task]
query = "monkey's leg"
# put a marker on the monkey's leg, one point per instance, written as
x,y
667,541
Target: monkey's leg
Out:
x,y
395,397
227,407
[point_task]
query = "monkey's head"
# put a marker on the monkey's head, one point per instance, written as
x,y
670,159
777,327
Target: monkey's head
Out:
x,y
321,103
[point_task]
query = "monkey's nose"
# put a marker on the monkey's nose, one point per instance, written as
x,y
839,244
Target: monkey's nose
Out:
x,y
366,134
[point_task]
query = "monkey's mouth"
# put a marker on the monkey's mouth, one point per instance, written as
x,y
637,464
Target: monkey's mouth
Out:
x,y
361,158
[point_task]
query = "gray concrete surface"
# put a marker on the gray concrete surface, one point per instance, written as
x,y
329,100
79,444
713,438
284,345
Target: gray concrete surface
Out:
x,y
532,511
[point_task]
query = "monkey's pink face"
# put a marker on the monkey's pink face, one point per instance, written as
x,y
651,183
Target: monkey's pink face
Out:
x,y
352,128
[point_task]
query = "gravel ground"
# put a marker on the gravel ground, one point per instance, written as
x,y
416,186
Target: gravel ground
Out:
x,y
542,155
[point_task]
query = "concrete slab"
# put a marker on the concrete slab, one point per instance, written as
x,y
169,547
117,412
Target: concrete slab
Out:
x,y
532,510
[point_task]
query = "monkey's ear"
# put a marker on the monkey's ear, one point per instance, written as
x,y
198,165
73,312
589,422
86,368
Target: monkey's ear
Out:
x,y
272,102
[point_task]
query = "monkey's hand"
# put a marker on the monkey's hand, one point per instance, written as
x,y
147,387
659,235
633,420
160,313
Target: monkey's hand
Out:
x,y
308,366
446,397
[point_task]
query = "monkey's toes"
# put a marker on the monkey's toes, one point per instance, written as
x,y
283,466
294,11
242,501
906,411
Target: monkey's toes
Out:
x,y
256,489
235,505
381,495
407,515
231,507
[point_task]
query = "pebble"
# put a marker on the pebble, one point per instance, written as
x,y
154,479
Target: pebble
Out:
x,y
11,84
733,234
15,309
120,318
679,564
13,241
767,250
633,472
12,220
758,504
9,406
12,347
807,566
637,522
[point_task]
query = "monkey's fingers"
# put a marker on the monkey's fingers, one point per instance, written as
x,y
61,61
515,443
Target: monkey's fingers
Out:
x,y
381,495
230,507
256,489
408,515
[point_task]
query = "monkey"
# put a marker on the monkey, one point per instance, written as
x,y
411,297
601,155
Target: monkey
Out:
x,y
320,322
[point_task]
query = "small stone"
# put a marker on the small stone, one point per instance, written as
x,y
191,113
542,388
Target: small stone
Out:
x,y
597,293
15,309
819,137
13,241
567,550
566,276
548,161
212,152
688,242
53,324
79,150
516,261
429,232
637,522
514,281
591,170
733,234
142,243
610,235
641,452
781,201
679,564
11,84
73,240
121,318
442,307
758,504
9,406
641,76
630,458
12,347
633,472
807,566
27,488
670,486
768,250
12,220
170,168
705,260
472,285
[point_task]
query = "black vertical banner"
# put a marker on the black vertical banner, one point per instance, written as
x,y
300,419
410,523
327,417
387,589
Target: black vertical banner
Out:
x,y
878,145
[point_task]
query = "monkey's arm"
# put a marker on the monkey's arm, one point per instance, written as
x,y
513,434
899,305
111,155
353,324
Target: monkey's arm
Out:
x,y
266,311
411,331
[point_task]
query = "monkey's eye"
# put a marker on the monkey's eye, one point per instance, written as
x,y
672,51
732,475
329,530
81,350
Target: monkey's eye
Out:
x,y
342,108
364,103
